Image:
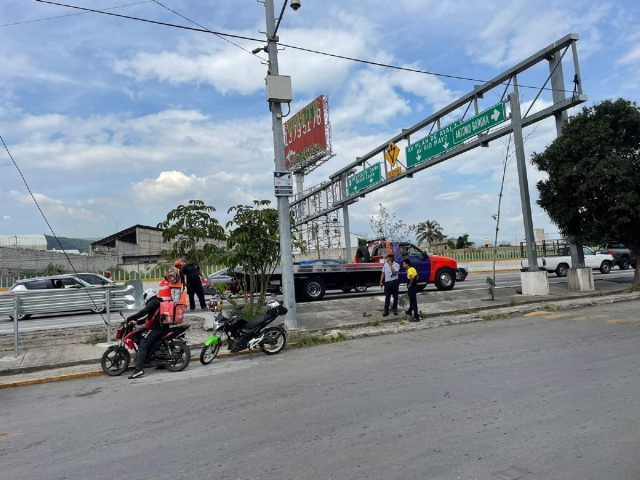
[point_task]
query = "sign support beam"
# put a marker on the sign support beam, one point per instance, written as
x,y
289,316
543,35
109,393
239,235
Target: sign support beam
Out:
x,y
518,143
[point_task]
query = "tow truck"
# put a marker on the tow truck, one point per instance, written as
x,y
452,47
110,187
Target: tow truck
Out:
x,y
312,281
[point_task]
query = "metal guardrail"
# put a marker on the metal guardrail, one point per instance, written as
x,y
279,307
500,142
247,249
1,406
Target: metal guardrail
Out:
x,y
34,302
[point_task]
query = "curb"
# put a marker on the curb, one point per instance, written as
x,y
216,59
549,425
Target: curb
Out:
x,y
57,378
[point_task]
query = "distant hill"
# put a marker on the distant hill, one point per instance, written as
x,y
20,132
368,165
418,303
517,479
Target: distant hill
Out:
x,y
81,244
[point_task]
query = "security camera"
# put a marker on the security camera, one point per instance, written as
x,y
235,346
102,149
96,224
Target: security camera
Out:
x,y
295,4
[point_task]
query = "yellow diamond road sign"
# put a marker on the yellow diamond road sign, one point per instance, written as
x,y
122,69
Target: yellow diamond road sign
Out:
x,y
391,154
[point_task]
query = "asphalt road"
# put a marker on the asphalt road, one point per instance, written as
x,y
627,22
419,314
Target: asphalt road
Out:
x,y
473,282
548,396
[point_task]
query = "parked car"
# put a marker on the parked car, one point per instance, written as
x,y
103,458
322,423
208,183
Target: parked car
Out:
x,y
95,279
561,262
323,261
221,277
52,282
624,258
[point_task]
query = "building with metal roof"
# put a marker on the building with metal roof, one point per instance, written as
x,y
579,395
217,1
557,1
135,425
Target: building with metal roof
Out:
x,y
31,242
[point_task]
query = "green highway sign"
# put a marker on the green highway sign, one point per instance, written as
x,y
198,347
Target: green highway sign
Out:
x,y
364,179
431,145
453,134
480,123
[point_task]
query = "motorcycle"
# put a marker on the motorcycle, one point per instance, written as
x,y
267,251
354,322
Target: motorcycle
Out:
x,y
170,351
242,334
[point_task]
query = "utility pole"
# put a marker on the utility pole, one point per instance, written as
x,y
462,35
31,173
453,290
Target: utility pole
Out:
x,y
286,250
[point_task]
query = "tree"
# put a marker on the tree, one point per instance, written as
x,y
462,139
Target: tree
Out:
x,y
429,232
592,191
451,244
386,225
253,248
463,241
188,225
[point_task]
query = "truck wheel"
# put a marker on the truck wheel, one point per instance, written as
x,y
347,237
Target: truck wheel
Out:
x,y
562,270
312,289
605,267
361,288
624,264
421,287
362,255
445,279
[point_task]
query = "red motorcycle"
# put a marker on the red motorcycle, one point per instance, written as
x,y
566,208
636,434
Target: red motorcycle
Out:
x,y
170,351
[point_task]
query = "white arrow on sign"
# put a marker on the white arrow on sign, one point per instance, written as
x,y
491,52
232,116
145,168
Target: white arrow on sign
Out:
x,y
445,145
495,116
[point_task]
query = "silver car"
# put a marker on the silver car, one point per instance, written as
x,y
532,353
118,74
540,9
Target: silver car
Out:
x,y
51,282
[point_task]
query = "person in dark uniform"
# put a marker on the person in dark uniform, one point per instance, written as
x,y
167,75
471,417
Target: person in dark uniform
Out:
x,y
412,290
192,278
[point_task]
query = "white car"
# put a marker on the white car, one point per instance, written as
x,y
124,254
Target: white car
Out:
x,y
561,263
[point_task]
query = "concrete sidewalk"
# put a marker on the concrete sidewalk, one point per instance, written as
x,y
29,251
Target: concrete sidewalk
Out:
x,y
70,356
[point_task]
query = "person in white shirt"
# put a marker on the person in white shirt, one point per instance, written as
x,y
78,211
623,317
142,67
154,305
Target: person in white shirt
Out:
x,y
390,282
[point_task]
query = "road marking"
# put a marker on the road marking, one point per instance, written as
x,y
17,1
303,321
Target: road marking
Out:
x,y
615,321
555,316
537,312
589,317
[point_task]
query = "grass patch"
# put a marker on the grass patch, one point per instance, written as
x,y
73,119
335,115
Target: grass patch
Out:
x,y
494,316
633,288
513,302
403,322
549,307
97,338
306,339
376,323
462,311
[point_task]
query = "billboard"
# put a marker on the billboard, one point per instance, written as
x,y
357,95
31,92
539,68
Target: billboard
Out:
x,y
305,135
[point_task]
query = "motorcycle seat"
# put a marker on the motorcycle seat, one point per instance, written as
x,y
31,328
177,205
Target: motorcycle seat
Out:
x,y
256,322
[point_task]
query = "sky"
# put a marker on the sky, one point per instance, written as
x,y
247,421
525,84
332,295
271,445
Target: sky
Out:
x,y
115,122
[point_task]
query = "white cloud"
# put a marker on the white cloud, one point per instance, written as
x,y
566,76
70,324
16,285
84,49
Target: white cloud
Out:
x,y
173,187
52,206
632,57
448,196
7,218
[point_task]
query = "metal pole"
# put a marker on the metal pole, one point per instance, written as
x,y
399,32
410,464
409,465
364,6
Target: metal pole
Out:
x,y
107,299
286,251
16,312
345,216
518,143
558,94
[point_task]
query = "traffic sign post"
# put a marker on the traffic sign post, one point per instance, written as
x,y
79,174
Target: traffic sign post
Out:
x,y
364,179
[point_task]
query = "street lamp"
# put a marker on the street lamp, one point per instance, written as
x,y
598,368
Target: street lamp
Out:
x,y
279,91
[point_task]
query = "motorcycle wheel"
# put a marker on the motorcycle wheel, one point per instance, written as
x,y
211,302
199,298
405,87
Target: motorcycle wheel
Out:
x,y
115,360
209,353
181,356
279,339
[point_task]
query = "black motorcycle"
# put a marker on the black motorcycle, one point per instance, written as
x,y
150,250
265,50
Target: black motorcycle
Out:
x,y
170,351
245,335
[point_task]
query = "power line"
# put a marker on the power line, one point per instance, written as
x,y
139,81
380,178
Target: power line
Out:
x,y
216,34
72,14
309,50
